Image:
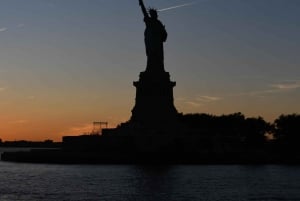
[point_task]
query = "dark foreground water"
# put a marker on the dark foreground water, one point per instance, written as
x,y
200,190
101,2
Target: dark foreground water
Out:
x,y
130,182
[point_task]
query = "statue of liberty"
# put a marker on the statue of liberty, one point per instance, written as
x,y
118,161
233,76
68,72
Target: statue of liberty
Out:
x,y
154,101
155,36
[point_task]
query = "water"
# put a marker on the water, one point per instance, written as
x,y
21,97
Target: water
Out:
x,y
148,183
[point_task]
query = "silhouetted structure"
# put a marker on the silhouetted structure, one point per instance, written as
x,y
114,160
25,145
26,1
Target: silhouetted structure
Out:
x,y
202,139
156,133
154,103
35,144
155,36
97,127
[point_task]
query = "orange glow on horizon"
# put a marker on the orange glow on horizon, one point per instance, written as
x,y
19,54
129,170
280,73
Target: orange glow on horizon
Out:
x,y
40,130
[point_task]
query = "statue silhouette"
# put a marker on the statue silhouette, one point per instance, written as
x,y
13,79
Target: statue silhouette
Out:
x,y
155,36
154,100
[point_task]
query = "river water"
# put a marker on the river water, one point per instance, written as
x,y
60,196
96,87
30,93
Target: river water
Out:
x,y
20,181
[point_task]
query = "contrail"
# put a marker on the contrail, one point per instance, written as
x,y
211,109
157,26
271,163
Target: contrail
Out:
x,y
178,6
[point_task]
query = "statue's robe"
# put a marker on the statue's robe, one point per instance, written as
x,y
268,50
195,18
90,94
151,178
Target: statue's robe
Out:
x,y
155,36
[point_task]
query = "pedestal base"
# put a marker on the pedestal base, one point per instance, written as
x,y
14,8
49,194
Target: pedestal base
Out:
x,y
154,103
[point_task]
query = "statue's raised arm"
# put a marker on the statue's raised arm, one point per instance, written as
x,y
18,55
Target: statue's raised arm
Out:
x,y
143,8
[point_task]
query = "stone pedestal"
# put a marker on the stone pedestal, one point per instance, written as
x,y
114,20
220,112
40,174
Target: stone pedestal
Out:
x,y
154,102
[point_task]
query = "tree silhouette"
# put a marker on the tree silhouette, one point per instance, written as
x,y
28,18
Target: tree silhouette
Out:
x,y
231,125
200,121
255,130
235,126
287,128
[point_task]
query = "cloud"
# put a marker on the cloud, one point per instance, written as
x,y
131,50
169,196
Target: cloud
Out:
x,y
256,93
2,29
21,121
199,100
287,85
193,103
284,86
181,99
208,99
79,129
2,89
31,97
20,25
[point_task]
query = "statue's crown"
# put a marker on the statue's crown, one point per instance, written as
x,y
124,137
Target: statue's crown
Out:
x,y
153,12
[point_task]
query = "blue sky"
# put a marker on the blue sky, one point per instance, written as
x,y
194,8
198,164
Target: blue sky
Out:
x,y
67,63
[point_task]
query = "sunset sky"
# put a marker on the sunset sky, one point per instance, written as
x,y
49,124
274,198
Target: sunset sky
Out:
x,y
67,63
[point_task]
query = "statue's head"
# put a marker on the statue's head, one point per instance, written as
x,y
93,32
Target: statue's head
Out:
x,y
153,13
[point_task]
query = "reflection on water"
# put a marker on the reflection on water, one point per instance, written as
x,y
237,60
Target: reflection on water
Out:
x,y
146,183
